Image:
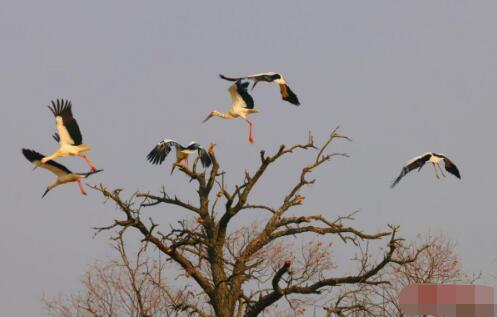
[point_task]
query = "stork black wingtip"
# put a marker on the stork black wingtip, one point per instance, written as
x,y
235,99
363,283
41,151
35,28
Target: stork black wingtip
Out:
x,y
290,96
228,78
32,155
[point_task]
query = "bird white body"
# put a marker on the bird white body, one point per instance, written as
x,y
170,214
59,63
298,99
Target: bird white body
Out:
x,y
235,112
434,158
63,174
68,178
243,113
242,105
67,150
182,155
68,134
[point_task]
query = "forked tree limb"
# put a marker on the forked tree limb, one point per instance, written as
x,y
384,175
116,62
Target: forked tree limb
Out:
x,y
315,288
230,266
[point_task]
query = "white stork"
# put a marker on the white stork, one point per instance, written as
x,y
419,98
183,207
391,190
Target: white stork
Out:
x,y
162,149
286,93
242,105
429,157
64,175
68,134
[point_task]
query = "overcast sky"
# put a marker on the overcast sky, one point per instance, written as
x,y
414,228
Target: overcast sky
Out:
x,y
399,77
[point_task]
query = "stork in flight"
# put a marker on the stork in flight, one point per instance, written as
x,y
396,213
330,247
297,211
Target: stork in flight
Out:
x,y
429,157
242,104
68,134
162,149
286,93
64,175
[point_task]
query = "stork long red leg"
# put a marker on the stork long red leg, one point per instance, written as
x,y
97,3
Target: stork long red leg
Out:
x,y
87,159
251,137
81,187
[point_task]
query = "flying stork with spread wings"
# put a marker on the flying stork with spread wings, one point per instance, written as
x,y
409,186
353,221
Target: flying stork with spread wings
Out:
x,y
430,157
242,105
270,77
68,134
64,175
162,149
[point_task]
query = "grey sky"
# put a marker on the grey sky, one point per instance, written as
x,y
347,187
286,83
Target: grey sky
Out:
x,y
399,77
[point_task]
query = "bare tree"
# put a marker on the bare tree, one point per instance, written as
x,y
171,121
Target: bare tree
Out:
x,y
251,270
124,287
438,264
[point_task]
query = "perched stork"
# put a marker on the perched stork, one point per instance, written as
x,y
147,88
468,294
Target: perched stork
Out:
x,y
286,93
64,175
162,149
241,106
68,134
429,157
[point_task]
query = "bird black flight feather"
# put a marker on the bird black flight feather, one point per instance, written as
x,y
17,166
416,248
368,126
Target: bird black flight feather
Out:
x,y
63,108
242,89
33,156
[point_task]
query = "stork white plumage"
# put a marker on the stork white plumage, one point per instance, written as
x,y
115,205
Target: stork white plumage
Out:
x,y
162,149
64,175
242,105
430,157
68,134
270,77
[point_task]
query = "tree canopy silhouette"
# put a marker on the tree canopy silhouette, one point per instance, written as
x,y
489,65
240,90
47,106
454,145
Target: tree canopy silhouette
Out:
x,y
246,271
